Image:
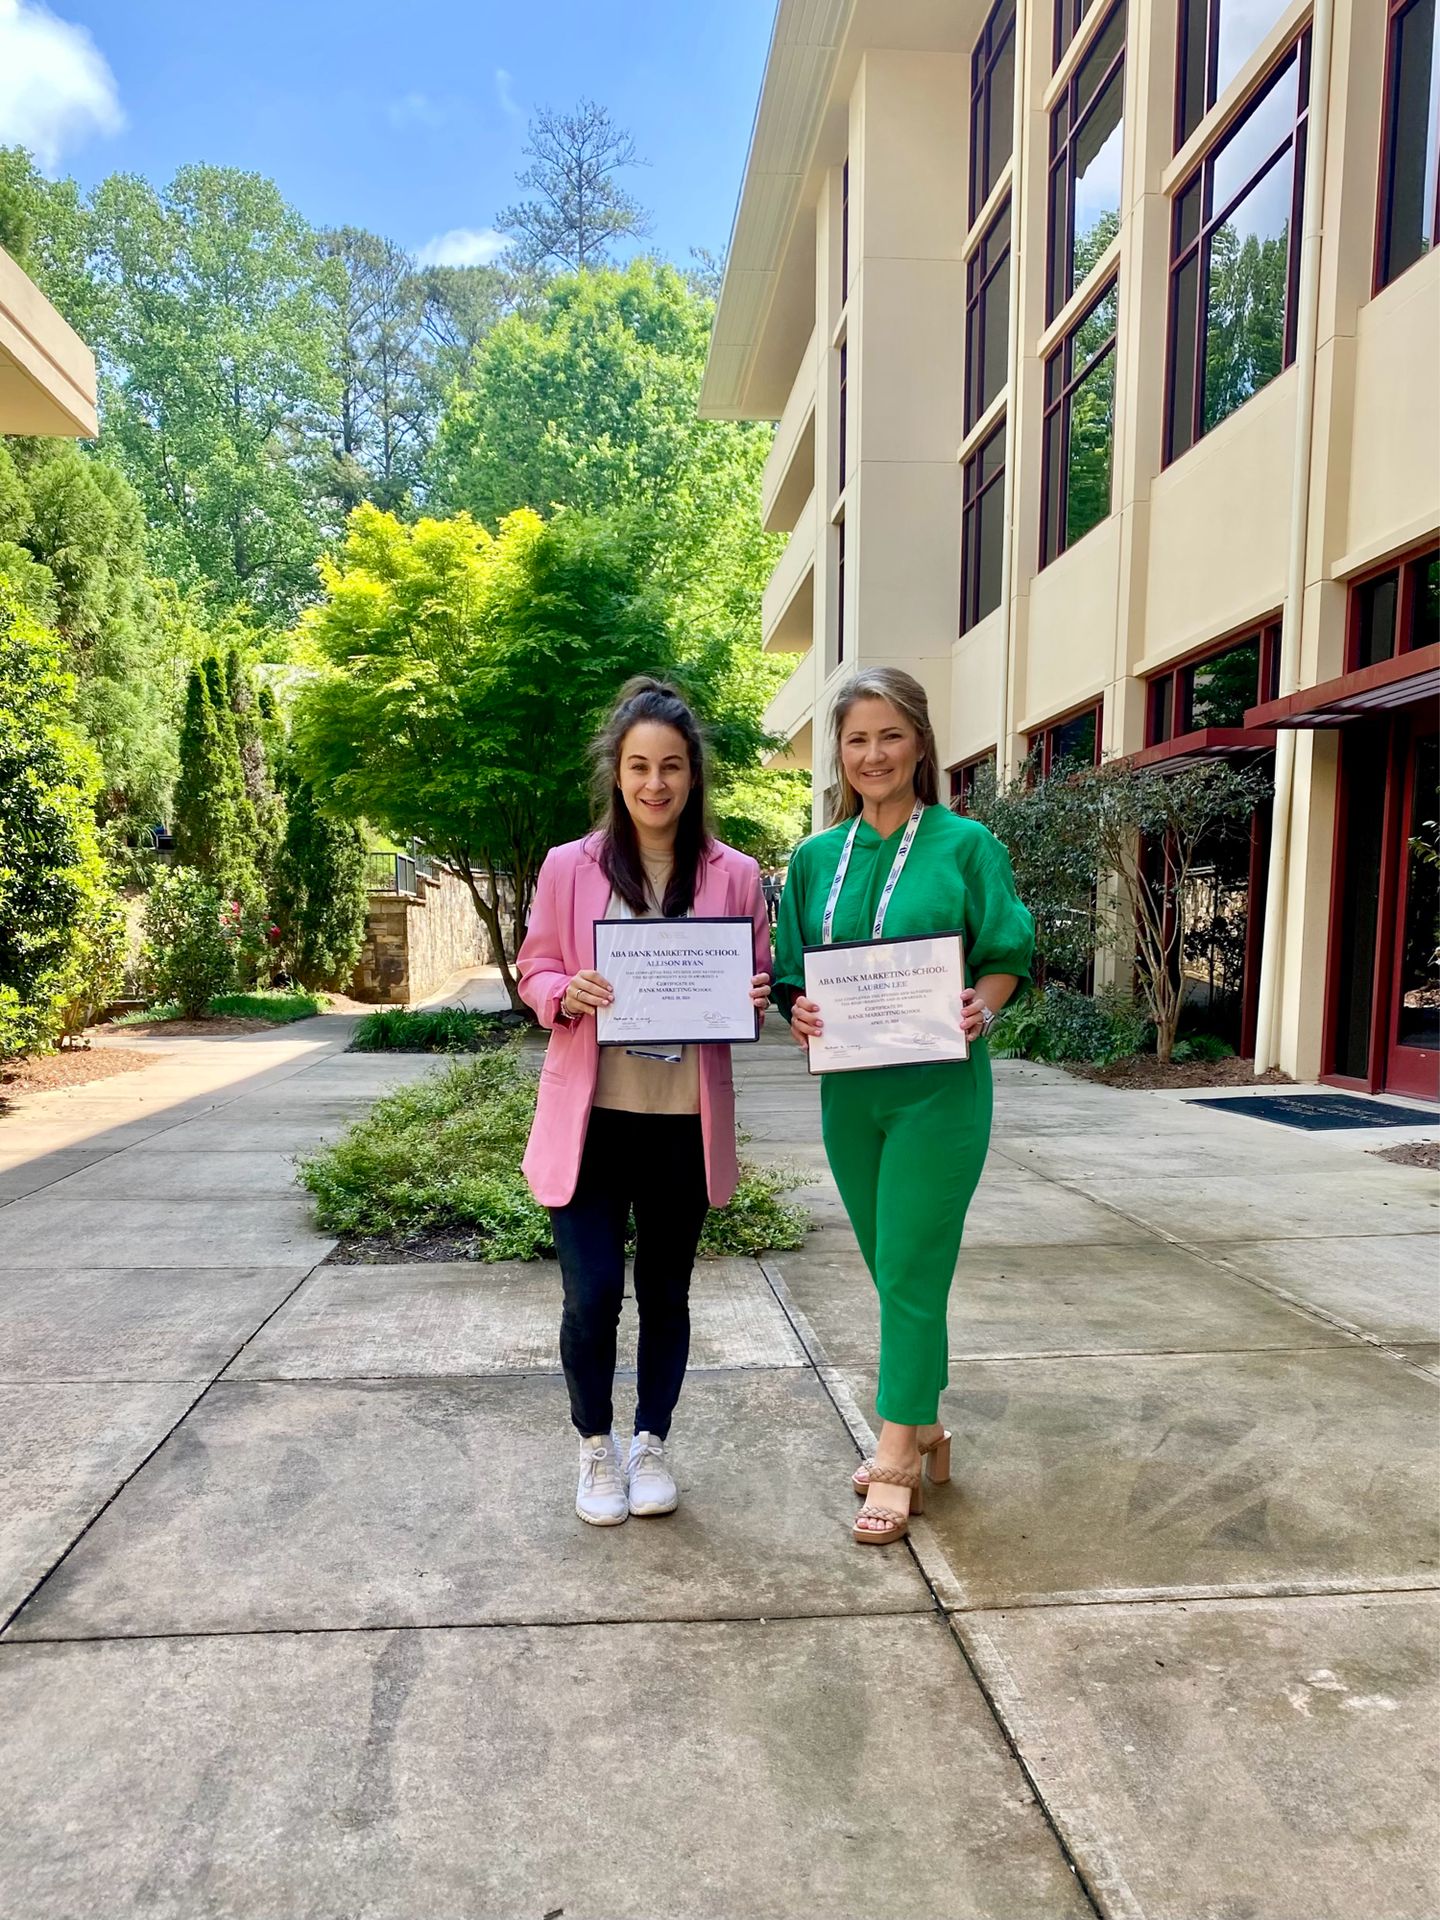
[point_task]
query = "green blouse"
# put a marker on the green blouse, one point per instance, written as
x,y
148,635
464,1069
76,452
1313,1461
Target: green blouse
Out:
x,y
958,878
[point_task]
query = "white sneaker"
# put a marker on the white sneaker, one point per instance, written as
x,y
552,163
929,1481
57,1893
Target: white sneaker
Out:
x,y
600,1497
651,1488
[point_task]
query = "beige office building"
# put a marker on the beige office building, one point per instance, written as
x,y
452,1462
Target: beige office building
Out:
x,y
1103,338
47,373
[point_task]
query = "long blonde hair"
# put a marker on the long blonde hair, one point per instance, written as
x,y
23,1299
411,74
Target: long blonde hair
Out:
x,y
907,696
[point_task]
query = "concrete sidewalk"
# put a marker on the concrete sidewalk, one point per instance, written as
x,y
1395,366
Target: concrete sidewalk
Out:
x,y
300,1622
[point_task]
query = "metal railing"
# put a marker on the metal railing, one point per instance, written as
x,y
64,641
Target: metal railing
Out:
x,y
390,873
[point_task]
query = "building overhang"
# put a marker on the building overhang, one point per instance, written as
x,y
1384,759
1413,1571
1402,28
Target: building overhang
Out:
x,y
766,308
1205,743
47,373
1401,682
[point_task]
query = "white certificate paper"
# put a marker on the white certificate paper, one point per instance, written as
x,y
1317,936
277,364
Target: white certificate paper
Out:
x,y
887,1003
677,982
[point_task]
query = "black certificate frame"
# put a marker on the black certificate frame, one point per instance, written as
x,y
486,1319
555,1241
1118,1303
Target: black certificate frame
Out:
x,y
694,921
891,940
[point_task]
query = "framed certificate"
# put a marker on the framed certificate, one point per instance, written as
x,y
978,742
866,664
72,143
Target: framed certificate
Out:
x,y
887,1003
677,982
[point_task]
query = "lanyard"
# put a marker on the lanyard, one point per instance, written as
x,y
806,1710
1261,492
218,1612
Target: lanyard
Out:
x,y
897,867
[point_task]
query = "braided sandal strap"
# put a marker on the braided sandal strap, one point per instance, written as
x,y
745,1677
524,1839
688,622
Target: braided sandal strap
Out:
x,y
887,1514
895,1476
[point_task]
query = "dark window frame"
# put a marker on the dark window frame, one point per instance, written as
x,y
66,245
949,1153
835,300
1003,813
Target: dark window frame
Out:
x,y
1382,275
999,28
1063,148
840,590
1060,406
1210,88
1196,249
963,774
1070,17
1408,566
842,436
845,231
1040,741
976,485
979,279
1173,687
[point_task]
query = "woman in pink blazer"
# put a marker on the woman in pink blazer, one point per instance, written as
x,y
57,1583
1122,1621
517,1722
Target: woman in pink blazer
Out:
x,y
623,1129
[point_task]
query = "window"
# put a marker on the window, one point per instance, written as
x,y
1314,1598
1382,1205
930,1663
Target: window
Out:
x,y
844,412
963,778
1074,742
1068,15
987,317
1079,428
1235,259
992,103
1086,144
845,231
1395,611
1216,38
840,590
982,528
1409,223
1217,690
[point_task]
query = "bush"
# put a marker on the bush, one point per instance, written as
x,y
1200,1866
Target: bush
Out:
x,y
1061,1024
188,956
320,896
444,1155
278,1005
435,1030
1202,1046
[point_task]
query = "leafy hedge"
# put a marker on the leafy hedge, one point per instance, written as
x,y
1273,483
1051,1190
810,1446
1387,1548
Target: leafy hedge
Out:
x,y
279,1006
1057,1023
444,1155
434,1030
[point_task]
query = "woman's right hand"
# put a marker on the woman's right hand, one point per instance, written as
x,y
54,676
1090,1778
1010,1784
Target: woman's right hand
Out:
x,y
805,1021
586,993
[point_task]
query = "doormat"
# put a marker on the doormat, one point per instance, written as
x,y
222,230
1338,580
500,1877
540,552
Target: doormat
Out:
x,y
1324,1112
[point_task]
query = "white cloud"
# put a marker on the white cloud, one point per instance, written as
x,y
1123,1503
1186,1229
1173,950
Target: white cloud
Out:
x,y
463,247
416,110
505,94
56,87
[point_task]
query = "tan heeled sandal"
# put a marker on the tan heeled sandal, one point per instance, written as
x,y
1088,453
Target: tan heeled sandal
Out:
x,y
897,1524
934,1458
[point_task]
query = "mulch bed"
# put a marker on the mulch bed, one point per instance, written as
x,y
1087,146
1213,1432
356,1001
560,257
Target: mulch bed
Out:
x,y
213,1024
1143,1072
1420,1153
403,1249
72,1068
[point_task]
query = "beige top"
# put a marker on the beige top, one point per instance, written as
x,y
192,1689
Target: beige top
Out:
x,y
629,1081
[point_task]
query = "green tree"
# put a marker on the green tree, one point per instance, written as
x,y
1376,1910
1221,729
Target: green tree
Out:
x,y
214,346
45,226
459,306
463,675
320,896
576,207
214,822
74,542
56,909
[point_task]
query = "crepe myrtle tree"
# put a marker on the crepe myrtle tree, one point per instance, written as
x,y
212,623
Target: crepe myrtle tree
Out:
x,y
461,677
1151,830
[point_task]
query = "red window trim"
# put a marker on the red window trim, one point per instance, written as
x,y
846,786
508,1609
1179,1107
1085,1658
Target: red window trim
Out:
x,y
1061,405
960,787
984,58
842,436
1203,173
1077,113
1043,735
977,288
1266,631
1385,171
1407,565
972,496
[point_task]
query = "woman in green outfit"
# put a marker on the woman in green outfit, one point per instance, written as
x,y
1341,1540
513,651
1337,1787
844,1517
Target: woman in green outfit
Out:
x,y
906,1144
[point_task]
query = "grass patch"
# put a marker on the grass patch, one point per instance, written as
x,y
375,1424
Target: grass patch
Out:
x,y
443,1156
278,1005
436,1030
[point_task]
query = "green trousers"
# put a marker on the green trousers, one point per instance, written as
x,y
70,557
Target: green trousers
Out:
x,y
906,1146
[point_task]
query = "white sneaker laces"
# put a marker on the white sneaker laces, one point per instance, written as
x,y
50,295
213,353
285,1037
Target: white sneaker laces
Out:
x,y
601,1471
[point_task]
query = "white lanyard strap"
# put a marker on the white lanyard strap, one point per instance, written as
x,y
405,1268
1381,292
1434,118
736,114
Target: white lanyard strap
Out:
x,y
897,867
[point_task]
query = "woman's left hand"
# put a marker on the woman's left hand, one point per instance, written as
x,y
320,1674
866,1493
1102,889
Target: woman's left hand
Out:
x,y
973,1010
760,994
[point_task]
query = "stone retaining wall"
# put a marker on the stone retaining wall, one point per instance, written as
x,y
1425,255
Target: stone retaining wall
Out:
x,y
414,942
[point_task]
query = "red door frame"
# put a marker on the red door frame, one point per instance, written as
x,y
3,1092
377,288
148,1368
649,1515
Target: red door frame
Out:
x,y
1412,1070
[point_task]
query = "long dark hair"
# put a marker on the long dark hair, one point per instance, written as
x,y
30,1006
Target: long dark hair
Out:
x,y
644,699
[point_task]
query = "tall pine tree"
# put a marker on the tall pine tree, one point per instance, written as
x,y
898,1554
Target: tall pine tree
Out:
x,y
214,821
320,897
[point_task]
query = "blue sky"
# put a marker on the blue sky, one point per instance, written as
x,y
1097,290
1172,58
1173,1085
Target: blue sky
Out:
x,y
405,120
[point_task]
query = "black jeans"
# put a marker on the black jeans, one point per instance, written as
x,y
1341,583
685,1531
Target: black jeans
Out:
x,y
655,1163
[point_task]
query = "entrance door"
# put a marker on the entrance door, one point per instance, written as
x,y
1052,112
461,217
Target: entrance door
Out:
x,y
1412,1063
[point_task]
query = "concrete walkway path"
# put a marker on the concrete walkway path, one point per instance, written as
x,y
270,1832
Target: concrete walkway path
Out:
x,y
299,1623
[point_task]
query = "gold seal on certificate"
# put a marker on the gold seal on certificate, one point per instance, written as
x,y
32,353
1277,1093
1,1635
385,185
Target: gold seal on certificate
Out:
x,y
677,982
887,1003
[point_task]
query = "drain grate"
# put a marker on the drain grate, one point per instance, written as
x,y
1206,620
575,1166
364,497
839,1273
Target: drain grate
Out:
x,y
1322,1112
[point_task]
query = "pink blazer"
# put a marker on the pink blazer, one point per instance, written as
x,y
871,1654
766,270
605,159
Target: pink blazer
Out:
x,y
571,894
